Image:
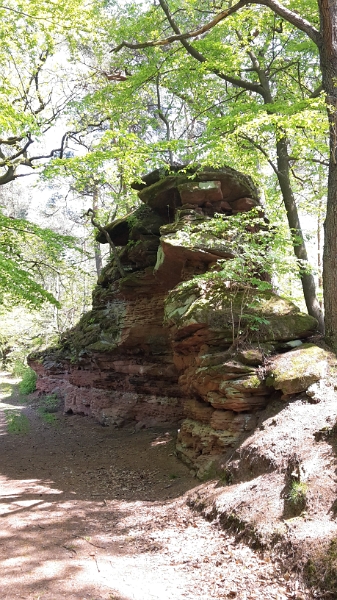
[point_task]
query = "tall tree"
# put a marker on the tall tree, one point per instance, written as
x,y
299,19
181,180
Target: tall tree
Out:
x,y
320,28
35,85
36,88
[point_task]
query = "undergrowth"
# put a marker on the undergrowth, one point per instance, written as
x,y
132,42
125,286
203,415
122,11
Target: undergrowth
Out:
x,y
321,569
48,405
16,421
28,382
18,368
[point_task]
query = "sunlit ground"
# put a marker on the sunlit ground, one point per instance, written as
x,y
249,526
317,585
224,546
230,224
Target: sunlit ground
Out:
x,y
90,513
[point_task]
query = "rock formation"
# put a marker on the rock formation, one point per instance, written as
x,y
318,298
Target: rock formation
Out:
x,y
158,345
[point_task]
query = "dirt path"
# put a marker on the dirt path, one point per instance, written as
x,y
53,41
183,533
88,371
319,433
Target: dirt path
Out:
x,y
91,513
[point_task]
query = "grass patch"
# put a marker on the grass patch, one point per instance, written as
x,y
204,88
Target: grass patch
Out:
x,y
17,423
48,405
48,418
5,388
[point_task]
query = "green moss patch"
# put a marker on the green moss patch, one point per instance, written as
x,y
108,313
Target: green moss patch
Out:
x,y
206,300
296,370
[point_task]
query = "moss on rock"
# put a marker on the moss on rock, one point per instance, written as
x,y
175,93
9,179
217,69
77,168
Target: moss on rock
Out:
x,y
262,315
296,370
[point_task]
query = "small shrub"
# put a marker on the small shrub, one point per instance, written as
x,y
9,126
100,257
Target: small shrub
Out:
x,y
49,404
298,494
16,422
18,368
28,382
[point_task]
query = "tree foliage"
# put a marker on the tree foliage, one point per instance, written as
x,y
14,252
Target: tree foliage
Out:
x,y
27,254
41,75
36,84
247,84
151,84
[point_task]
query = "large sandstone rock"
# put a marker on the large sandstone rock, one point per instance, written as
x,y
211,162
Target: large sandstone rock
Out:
x,y
161,346
207,186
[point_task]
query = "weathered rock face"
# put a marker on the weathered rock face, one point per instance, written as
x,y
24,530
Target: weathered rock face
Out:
x,y
160,346
232,383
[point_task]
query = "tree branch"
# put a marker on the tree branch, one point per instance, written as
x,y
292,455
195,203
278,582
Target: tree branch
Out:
x,y
262,150
236,81
292,17
179,37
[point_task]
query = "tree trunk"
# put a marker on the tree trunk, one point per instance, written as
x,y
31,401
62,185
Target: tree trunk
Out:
x,y
109,240
319,247
97,245
328,59
307,279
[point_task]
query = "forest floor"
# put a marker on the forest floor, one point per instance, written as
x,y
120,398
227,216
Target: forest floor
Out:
x,y
93,513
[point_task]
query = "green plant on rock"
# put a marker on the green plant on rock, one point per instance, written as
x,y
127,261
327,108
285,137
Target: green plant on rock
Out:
x,y
255,249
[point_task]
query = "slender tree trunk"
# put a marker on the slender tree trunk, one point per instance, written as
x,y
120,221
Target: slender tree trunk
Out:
x,y
330,261
56,309
319,246
84,285
109,240
97,245
328,59
283,175
307,279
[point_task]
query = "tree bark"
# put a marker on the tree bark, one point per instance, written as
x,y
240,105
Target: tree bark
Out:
x,y
319,247
328,59
307,279
97,245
